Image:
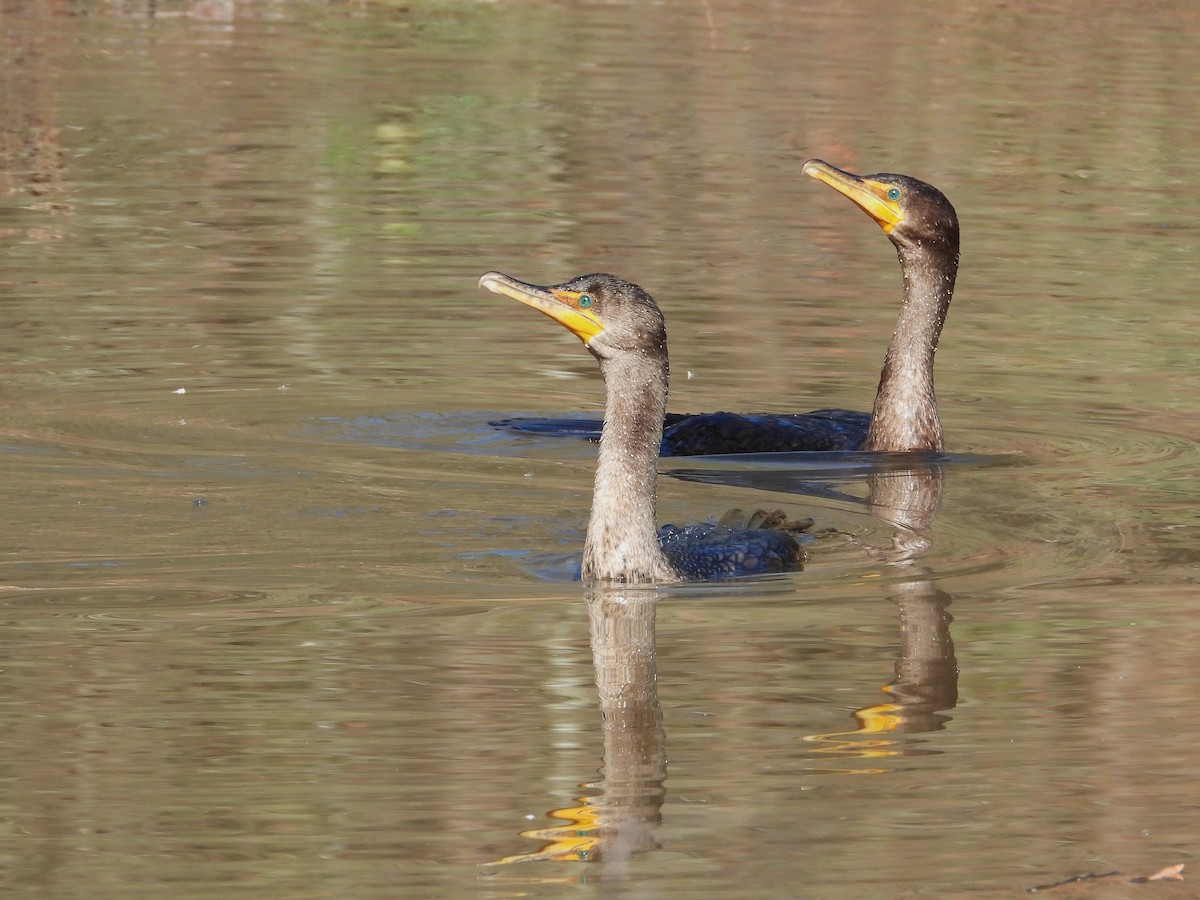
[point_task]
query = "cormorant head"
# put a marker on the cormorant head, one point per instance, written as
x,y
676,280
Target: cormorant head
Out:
x,y
611,316
913,214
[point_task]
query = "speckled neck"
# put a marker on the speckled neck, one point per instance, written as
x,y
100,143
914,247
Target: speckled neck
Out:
x,y
905,416
622,537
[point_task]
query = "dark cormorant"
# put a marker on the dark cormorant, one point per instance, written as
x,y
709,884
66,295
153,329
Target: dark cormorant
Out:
x,y
922,224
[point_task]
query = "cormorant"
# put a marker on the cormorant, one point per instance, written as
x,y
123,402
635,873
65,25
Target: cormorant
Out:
x,y
623,328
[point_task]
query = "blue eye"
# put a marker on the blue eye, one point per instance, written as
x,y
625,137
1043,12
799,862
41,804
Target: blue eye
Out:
x,y
893,193
585,300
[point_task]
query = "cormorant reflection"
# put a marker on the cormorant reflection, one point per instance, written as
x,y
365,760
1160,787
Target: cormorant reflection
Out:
x,y
926,682
617,814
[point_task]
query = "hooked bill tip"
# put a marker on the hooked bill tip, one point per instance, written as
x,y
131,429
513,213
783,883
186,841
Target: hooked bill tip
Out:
x,y
812,166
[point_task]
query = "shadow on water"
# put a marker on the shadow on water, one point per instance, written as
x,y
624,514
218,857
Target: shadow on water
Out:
x,y
1009,521
834,478
807,472
812,474
471,433
617,815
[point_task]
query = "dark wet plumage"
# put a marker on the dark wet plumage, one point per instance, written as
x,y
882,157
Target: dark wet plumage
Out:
x,y
726,432
737,545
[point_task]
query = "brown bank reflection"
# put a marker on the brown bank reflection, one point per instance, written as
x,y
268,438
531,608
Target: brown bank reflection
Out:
x,y
32,155
618,814
925,686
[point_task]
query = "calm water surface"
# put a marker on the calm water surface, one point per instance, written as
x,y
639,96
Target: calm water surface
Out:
x,y
283,615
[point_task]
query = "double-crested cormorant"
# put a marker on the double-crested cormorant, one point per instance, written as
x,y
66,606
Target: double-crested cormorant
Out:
x,y
922,224
623,328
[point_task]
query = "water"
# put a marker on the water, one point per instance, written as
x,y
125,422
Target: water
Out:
x,y
285,617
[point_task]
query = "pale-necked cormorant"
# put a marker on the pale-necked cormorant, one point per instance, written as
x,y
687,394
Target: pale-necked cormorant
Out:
x,y
623,328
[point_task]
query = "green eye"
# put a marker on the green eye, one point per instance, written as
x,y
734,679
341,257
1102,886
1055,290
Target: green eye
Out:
x,y
893,193
585,300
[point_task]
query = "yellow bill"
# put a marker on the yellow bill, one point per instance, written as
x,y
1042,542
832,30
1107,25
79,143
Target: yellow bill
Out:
x,y
878,200
560,305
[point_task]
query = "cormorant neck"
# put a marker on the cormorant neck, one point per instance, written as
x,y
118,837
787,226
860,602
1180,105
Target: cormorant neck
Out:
x,y
622,536
905,416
